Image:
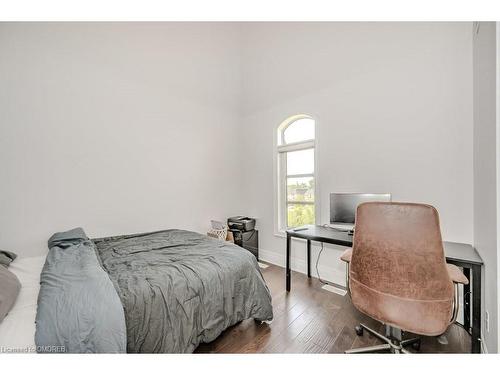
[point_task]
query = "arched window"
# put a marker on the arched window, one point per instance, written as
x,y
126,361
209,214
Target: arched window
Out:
x,y
296,172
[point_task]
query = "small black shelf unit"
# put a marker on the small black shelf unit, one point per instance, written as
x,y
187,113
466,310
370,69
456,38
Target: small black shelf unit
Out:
x,y
248,240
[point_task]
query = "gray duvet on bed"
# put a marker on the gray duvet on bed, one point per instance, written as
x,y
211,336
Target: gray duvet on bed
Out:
x,y
177,289
78,308
181,288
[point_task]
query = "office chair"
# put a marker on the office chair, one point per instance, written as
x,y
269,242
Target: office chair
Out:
x,y
397,274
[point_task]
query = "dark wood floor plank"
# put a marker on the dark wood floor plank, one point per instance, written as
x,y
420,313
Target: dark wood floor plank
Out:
x,y
364,341
312,320
299,347
288,335
243,333
343,341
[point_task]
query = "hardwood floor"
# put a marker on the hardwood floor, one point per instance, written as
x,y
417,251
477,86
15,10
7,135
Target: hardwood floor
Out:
x,y
312,320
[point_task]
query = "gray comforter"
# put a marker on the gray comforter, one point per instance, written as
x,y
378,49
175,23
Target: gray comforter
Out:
x,y
177,289
78,308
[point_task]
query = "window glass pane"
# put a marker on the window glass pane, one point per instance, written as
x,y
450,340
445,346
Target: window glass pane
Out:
x,y
300,130
300,162
300,189
300,214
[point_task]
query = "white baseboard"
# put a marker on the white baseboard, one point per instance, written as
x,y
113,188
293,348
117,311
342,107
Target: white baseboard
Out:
x,y
271,257
327,273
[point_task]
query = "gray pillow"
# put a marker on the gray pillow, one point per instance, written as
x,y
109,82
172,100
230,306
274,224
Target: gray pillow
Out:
x,y
9,290
6,257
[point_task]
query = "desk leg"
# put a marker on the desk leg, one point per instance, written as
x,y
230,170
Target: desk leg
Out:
x,y
288,272
309,258
466,309
476,309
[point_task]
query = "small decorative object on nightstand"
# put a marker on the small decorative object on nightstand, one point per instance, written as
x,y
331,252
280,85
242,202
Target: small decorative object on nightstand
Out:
x,y
218,230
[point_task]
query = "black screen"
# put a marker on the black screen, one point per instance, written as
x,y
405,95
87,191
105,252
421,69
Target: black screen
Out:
x,y
343,205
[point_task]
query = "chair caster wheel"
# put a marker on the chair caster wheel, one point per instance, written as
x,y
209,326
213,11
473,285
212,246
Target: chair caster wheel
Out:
x,y
416,345
359,330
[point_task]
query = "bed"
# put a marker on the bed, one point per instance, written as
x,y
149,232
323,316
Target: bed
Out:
x,y
17,330
158,292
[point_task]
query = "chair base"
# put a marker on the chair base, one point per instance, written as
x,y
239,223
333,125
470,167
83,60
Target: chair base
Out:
x,y
393,345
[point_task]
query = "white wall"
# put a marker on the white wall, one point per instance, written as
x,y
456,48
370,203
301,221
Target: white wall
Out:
x,y
485,172
118,128
393,104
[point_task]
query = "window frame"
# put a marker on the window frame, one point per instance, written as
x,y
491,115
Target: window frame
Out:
x,y
281,150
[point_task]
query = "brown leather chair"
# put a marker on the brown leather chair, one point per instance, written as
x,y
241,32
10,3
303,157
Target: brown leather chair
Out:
x,y
397,273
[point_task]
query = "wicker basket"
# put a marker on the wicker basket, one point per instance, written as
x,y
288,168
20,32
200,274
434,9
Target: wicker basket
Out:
x,y
221,234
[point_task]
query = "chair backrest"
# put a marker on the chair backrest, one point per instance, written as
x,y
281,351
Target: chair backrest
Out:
x,y
398,272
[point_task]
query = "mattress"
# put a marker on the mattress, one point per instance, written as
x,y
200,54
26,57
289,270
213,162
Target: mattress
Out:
x,y
17,331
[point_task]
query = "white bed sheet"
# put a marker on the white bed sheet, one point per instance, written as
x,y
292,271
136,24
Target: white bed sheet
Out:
x,y
17,331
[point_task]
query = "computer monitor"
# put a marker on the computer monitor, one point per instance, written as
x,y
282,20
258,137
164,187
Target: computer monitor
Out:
x,y
343,205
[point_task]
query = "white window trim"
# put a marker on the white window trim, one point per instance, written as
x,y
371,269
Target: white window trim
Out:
x,y
280,149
